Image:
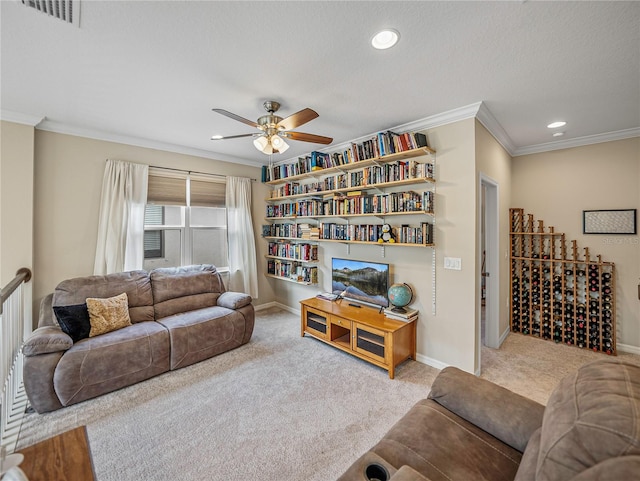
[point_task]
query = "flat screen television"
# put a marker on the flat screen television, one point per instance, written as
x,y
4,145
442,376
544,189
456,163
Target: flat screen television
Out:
x,y
362,281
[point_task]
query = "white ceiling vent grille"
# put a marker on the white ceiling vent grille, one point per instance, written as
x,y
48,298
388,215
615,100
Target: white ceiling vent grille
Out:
x,y
65,10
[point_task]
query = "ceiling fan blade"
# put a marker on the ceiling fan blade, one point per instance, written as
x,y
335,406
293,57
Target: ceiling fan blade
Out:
x,y
231,137
318,139
236,117
297,119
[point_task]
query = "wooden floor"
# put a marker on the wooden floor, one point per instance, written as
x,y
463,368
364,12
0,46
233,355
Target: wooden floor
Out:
x,y
65,457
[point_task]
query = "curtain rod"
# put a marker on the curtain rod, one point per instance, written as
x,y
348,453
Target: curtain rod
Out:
x,y
196,172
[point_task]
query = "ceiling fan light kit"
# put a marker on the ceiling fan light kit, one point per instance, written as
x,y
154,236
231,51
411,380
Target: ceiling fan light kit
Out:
x,y
275,128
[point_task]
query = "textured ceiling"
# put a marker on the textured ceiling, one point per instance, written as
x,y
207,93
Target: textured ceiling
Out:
x,y
152,71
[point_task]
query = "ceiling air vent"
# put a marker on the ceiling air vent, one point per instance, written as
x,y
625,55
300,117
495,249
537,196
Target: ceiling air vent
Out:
x,y
65,10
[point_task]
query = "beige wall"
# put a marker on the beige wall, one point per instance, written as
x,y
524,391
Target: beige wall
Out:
x,y
16,199
448,337
68,180
557,186
493,161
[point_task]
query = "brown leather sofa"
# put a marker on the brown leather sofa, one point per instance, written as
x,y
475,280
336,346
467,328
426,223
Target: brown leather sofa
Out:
x,y
179,316
470,429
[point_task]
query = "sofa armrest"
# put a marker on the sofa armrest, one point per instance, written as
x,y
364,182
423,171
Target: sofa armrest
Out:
x,y
234,300
407,473
502,413
45,340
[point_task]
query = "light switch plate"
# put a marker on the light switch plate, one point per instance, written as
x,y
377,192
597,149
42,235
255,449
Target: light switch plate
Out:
x,y
454,263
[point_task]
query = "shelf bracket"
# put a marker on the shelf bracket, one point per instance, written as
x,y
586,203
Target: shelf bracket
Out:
x,y
383,251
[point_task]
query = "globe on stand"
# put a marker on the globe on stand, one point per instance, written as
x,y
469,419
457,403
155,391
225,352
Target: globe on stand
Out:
x,y
400,295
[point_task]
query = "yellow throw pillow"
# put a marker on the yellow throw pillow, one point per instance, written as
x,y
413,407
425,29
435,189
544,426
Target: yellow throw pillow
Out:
x,y
106,315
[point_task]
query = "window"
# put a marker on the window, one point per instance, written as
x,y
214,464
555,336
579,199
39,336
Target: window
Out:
x,y
153,239
185,221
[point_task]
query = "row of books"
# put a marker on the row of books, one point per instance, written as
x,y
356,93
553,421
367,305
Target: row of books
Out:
x,y
415,235
373,232
281,230
391,143
292,270
381,174
368,176
300,252
307,231
384,143
394,202
350,232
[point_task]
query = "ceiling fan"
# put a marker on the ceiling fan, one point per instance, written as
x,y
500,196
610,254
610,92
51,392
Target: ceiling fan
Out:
x,y
274,129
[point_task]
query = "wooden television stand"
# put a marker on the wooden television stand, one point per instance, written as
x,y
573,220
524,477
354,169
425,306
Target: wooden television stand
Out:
x,y
361,331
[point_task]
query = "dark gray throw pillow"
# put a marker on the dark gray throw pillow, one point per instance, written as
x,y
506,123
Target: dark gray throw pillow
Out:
x,y
74,320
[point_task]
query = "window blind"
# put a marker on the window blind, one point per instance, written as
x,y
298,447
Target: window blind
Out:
x,y
167,190
207,193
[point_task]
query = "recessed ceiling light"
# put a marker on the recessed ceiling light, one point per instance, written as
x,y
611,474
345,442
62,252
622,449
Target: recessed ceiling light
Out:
x,y
216,137
385,39
555,125
558,134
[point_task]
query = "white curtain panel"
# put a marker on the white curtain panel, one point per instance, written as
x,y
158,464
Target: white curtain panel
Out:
x,y
120,245
242,245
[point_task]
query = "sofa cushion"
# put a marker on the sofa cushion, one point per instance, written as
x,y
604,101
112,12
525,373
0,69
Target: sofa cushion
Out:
x,y
591,416
74,320
135,284
101,364
444,447
106,315
182,289
204,333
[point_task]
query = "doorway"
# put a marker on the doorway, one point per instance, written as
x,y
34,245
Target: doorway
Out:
x,y
488,332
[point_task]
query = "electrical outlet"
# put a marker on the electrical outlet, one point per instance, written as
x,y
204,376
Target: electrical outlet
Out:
x,y
454,263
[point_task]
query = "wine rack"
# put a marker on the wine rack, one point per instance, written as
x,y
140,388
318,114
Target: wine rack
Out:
x,y
558,293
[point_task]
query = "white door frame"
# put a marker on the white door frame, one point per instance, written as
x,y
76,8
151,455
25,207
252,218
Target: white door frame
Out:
x,y
492,263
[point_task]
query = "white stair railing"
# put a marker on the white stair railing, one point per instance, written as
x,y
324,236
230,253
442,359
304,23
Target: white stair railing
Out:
x,y
15,327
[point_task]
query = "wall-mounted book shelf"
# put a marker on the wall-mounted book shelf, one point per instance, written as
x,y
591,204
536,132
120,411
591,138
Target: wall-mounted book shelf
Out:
x,y
366,181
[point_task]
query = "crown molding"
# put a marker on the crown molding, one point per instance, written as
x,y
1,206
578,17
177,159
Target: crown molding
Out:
x,y
477,110
20,118
62,128
577,142
486,118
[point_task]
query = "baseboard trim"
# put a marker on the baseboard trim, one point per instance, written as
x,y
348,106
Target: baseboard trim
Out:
x,y
288,308
266,305
279,305
429,361
503,336
629,349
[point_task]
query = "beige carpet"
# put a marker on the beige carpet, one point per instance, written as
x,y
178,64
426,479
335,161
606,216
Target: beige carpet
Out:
x,y
281,407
